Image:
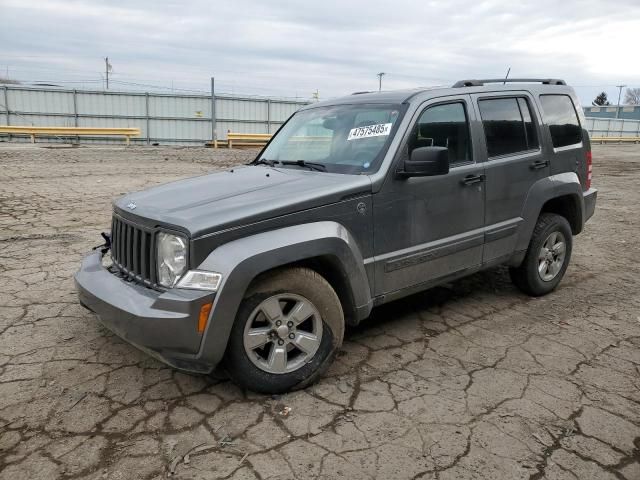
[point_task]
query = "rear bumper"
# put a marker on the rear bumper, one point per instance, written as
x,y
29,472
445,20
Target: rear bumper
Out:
x,y
162,324
589,203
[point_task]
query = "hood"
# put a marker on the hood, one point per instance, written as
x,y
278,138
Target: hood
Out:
x,y
236,197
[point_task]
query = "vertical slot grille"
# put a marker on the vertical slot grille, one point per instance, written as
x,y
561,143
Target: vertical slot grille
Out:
x,y
132,250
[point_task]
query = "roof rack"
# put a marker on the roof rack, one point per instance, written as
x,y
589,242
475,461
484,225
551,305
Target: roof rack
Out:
x,y
480,83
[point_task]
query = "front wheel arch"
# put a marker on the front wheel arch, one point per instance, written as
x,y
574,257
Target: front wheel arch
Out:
x,y
242,261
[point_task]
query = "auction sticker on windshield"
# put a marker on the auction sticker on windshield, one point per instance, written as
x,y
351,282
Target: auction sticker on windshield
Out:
x,y
379,130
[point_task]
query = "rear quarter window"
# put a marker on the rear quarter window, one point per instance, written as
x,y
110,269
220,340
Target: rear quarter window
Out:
x,y
560,114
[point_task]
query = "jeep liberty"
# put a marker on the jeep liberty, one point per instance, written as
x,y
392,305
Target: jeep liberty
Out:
x,y
353,203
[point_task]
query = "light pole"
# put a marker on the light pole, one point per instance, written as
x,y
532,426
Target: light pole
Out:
x,y
620,87
107,69
380,75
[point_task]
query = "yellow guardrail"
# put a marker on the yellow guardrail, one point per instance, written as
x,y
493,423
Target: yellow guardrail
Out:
x,y
70,131
260,139
615,139
247,139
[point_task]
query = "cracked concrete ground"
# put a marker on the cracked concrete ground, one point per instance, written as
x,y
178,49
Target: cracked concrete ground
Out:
x,y
471,380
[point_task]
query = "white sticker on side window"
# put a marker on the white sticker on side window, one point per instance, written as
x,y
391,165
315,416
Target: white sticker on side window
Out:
x,y
382,129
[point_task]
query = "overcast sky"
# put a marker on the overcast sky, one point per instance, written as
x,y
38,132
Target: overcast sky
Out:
x,y
335,46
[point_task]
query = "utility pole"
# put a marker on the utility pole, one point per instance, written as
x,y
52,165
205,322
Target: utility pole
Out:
x,y
107,69
214,123
620,87
316,96
380,75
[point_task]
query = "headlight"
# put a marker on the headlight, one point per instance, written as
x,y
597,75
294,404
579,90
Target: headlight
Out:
x,y
172,258
200,280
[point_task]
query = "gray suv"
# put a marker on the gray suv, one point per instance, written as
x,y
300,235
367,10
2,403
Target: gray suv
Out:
x,y
355,202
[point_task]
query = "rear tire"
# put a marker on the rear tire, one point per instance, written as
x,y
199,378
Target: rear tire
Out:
x,y
547,257
287,331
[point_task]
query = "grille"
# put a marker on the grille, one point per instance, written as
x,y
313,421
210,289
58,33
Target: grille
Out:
x,y
133,251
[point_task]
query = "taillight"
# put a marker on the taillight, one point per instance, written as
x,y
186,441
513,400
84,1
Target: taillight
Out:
x,y
589,169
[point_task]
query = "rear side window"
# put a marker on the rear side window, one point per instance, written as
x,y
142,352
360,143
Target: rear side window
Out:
x,y
560,114
508,126
444,126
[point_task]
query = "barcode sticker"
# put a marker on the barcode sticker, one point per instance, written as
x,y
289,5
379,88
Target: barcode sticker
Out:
x,y
382,129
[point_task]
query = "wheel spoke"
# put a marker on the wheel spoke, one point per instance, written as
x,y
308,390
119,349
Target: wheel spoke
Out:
x,y
542,268
257,337
278,359
271,309
559,248
307,342
300,312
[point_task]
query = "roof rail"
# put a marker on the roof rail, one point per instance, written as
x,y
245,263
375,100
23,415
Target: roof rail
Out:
x,y
480,83
363,92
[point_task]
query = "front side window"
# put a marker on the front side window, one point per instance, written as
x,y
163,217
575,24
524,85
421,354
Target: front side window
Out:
x,y
508,126
560,114
348,139
444,126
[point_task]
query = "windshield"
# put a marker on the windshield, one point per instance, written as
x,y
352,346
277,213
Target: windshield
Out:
x,y
342,138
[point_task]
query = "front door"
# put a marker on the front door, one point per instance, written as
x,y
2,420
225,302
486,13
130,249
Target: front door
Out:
x,y
428,228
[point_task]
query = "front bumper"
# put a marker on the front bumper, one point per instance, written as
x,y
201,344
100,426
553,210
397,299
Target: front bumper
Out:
x,y
589,203
162,324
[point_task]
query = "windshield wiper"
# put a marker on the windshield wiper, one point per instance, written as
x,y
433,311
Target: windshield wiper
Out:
x,y
320,167
264,161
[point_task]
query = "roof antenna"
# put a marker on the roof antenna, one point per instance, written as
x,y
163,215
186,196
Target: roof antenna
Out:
x,y
506,76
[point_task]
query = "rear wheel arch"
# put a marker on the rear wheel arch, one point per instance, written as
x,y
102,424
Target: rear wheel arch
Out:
x,y
567,206
559,194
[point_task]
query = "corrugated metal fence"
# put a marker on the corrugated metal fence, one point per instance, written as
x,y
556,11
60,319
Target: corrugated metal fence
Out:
x,y
612,127
177,118
162,118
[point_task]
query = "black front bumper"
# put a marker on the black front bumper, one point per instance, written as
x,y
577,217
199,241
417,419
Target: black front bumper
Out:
x,y
162,324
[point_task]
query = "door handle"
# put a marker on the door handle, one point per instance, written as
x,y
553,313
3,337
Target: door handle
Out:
x,y
538,164
472,179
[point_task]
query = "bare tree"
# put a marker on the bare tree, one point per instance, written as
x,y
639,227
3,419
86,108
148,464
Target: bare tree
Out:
x,y
632,96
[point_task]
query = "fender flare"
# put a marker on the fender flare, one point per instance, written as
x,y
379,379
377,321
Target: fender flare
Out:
x,y
541,192
242,260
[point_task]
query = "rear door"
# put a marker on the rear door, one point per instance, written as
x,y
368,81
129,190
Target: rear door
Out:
x,y
514,161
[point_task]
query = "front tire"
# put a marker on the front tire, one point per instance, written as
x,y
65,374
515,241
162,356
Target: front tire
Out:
x,y
287,331
547,257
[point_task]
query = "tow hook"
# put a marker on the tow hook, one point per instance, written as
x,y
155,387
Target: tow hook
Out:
x,y
104,248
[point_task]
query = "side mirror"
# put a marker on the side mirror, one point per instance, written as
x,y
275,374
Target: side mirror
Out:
x,y
426,162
